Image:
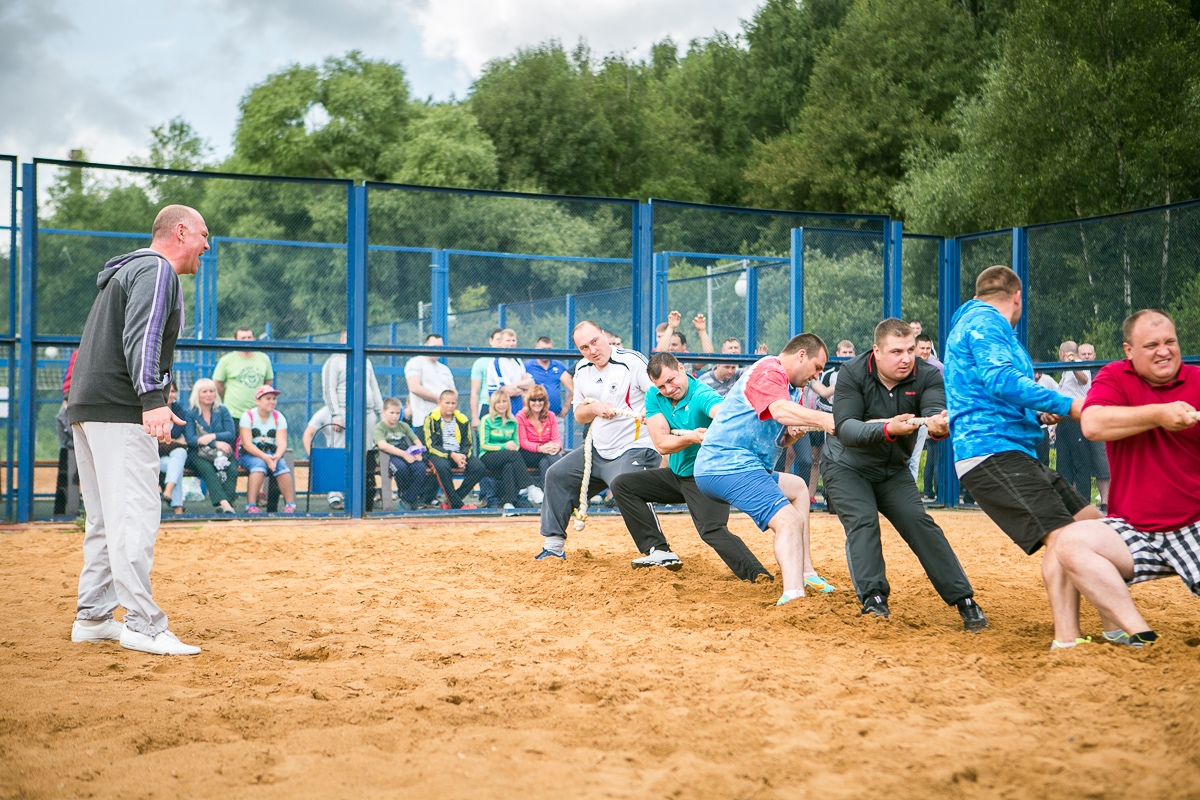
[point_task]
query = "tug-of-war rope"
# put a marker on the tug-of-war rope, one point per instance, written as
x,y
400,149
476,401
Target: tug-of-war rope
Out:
x,y
581,514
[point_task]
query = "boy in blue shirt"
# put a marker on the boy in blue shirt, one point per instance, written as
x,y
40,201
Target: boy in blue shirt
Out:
x,y
680,403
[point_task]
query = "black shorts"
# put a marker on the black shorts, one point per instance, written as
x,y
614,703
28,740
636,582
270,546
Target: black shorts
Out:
x,y
1026,499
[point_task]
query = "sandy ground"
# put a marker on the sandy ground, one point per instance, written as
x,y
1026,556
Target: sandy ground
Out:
x,y
386,659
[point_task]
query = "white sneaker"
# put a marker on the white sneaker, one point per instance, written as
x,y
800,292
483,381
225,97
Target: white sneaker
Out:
x,y
164,644
597,500
97,630
535,495
658,558
509,509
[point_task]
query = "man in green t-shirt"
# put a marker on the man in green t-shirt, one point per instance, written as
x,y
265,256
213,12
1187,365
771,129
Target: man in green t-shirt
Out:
x,y
680,403
238,375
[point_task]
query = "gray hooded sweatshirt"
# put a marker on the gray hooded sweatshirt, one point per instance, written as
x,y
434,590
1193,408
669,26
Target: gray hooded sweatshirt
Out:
x,y
128,344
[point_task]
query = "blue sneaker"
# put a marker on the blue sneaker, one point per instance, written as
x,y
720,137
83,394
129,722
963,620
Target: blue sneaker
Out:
x,y
818,584
542,556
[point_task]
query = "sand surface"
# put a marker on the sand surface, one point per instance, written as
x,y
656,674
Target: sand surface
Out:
x,y
394,659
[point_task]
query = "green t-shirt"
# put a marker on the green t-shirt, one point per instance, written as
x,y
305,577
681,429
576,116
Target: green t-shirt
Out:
x,y
242,376
694,410
401,436
496,432
479,372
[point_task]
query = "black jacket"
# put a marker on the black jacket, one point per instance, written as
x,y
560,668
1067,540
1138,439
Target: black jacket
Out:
x,y
125,355
860,396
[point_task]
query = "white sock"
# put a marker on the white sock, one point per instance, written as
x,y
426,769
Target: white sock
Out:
x,y
555,544
791,594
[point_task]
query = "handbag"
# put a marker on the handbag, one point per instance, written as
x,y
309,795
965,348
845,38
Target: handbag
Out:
x,y
208,452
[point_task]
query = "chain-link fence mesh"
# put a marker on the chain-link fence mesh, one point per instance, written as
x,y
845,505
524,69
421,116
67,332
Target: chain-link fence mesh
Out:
x,y
717,287
1086,277
977,253
502,252
843,269
843,285
278,257
919,282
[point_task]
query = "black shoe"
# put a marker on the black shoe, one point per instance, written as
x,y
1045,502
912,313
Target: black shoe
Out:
x,y
972,616
876,605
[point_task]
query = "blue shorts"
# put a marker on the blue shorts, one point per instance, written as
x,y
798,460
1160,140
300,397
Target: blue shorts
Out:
x,y
756,493
256,464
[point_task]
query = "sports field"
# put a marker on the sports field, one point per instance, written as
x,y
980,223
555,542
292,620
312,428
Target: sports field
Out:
x,y
397,659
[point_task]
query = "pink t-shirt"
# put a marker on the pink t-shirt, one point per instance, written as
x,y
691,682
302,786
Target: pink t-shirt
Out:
x,y
528,436
1156,473
766,383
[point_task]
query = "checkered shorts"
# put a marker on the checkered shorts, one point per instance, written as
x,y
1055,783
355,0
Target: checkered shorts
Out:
x,y
1157,555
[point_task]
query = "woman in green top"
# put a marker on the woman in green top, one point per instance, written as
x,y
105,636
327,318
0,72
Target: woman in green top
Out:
x,y
501,453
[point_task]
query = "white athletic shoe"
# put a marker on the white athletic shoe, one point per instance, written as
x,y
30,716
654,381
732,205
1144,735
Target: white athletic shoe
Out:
x,y
98,630
658,558
535,495
164,644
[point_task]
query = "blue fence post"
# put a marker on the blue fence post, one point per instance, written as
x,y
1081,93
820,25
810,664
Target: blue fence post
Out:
x,y
439,314
751,309
660,301
27,378
569,342
796,284
210,298
392,361
1020,258
356,337
893,271
948,302
642,335
501,316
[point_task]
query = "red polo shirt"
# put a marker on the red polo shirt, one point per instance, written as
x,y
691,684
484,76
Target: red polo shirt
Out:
x,y
1155,474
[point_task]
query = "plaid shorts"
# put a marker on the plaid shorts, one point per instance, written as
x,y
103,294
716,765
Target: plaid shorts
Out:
x,y
1157,555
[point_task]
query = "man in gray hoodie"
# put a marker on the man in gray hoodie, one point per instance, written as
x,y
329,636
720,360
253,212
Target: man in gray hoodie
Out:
x,y
117,410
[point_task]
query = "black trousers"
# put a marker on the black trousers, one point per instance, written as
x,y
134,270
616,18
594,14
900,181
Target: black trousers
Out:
x,y
509,468
860,500
471,475
1074,457
635,491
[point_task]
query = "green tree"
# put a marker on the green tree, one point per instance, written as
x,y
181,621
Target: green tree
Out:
x,y
1090,108
888,79
333,121
445,147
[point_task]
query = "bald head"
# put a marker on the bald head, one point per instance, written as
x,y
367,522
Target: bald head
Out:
x,y
171,216
180,236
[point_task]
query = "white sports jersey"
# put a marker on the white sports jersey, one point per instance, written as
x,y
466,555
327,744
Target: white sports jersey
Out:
x,y
622,383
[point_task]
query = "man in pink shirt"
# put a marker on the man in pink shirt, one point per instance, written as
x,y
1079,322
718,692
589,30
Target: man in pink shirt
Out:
x,y
1145,409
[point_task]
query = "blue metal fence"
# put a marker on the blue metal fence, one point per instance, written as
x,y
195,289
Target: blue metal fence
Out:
x,y
301,261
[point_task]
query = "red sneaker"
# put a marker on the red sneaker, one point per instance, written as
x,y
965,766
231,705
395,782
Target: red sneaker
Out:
x,y
468,507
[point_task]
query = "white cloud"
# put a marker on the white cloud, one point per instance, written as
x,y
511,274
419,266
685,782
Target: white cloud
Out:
x,y
474,32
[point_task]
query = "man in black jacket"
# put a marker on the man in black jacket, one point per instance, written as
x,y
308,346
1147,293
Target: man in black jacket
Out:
x,y
880,400
117,409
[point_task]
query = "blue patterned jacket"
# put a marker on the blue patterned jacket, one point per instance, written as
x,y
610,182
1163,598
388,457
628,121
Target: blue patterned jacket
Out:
x,y
990,392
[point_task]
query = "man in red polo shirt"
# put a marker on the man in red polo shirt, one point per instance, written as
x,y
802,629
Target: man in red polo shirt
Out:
x,y
1145,409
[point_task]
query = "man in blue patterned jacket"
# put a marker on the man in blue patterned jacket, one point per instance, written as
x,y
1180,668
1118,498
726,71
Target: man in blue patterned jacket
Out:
x,y
996,413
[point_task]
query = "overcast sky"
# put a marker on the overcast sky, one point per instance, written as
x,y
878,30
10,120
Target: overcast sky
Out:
x,y
99,75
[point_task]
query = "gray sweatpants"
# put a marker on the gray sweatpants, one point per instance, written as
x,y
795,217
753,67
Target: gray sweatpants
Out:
x,y
565,476
118,478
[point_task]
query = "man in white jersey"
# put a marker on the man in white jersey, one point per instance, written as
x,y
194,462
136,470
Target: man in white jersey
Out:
x,y
607,379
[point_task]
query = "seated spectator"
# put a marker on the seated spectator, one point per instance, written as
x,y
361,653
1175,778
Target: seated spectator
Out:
x,y
263,445
172,456
394,437
427,378
613,339
501,452
722,377
537,434
447,434
669,339
210,436
553,376
322,422
508,374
